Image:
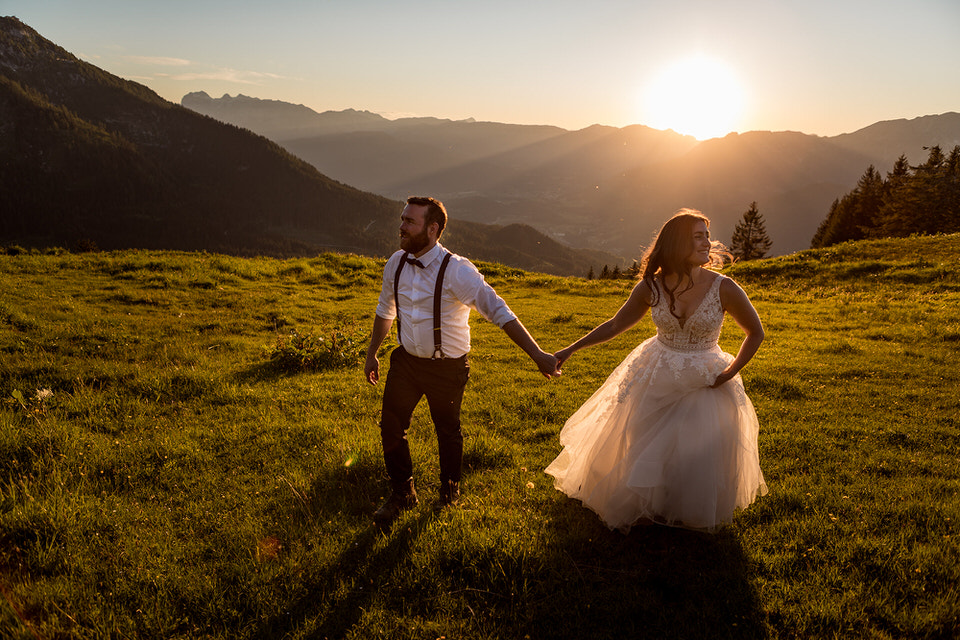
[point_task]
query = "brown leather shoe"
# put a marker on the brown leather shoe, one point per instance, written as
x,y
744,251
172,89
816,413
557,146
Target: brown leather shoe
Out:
x,y
402,498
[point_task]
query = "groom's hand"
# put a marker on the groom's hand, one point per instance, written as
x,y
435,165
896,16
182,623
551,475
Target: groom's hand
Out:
x,y
371,370
549,365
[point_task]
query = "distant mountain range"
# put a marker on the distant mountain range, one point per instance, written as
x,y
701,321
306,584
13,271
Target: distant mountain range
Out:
x,y
88,159
601,187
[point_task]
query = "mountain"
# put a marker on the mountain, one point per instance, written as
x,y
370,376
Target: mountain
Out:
x,y
89,159
281,120
891,138
601,187
389,157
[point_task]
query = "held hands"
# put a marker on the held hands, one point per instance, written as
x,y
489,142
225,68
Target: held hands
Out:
x,y
549,365
562,356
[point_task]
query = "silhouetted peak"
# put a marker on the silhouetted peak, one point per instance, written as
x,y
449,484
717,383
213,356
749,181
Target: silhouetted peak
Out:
x,y
195,97
20,44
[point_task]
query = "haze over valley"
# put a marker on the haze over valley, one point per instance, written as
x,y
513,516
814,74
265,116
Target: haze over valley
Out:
x,y
602,188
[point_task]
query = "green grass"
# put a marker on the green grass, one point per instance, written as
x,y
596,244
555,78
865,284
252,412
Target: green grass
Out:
x,y
175,482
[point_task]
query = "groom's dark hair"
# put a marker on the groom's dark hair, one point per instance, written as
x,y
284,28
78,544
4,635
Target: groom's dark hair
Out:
x,y
436,212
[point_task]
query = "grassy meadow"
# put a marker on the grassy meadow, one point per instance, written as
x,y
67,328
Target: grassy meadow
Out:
x,y
164,474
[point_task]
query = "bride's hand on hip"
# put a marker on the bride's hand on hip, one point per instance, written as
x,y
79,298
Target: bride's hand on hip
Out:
x,y
722,377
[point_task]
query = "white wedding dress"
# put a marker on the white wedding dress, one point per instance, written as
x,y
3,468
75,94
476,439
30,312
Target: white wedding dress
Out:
x,y
655,442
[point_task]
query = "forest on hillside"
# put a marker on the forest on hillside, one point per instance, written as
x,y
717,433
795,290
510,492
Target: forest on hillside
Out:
x,y
923,199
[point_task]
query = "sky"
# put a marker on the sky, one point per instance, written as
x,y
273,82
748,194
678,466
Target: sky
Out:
x,y
700,67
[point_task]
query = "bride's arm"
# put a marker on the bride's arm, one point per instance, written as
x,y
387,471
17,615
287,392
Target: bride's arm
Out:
x,y
738,305
629,314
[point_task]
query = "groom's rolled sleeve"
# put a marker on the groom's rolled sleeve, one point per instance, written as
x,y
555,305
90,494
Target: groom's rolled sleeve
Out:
x,y
386,305
472,290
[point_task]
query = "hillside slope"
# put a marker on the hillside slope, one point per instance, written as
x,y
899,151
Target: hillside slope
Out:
x,y
88,156
89,159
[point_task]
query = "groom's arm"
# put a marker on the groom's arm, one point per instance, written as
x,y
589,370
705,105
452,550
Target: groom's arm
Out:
x,y
546,362
371,368
469,287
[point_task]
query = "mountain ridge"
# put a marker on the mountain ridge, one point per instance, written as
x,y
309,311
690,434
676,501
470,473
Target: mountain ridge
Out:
x,y
89,158
609,188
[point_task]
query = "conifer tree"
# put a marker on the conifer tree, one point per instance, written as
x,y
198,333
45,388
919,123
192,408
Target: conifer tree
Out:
x,y
895,217
750,239
924,199
822,237
870,191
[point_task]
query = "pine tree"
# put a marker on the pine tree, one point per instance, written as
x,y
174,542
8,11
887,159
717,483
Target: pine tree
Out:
x,y
822,237
750,239
924,199
895,214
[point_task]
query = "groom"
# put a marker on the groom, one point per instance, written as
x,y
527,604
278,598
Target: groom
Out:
x,y
430,292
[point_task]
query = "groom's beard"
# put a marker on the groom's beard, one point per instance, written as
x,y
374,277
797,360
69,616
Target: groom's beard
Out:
x,y
415,244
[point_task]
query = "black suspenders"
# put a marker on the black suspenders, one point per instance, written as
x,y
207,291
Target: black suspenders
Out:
x,y
437,350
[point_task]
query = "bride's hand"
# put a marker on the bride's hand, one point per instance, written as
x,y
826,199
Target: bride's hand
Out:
x,y
562,356
722,377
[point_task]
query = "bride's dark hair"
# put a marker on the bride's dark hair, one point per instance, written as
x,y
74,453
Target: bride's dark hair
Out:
x,y
669,251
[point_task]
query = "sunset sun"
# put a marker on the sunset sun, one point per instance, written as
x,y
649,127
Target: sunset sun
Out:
x,y
698,96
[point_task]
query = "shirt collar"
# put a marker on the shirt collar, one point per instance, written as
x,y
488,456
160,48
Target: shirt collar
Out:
x,y
433,254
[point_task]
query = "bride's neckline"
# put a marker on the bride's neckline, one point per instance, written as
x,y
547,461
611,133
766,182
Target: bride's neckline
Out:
x,y
682,321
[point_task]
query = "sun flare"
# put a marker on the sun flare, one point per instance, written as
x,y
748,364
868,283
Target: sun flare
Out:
x,y
698,96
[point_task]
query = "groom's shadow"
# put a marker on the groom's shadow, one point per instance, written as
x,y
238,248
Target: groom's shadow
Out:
x,y
656,581
329,607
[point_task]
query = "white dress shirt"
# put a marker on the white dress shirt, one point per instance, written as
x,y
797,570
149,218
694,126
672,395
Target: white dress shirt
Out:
x,y
463,289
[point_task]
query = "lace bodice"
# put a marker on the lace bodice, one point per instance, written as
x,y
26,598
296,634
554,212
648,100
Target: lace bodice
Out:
x,y
700,331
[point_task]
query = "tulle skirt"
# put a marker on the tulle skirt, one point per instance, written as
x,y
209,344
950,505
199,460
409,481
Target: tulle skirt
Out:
x,y
656,443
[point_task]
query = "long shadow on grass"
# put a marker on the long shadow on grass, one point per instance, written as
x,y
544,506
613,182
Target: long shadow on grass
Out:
x,y
656,582
334,599
334,596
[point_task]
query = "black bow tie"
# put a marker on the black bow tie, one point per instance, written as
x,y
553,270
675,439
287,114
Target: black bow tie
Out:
x,y
416,262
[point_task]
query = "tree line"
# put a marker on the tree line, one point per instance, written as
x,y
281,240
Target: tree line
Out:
x,y
750,242
924,199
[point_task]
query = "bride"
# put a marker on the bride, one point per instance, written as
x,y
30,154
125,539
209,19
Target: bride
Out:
x,y
671,436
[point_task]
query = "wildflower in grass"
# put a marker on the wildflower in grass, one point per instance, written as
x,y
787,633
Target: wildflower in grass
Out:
x,y
36,406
